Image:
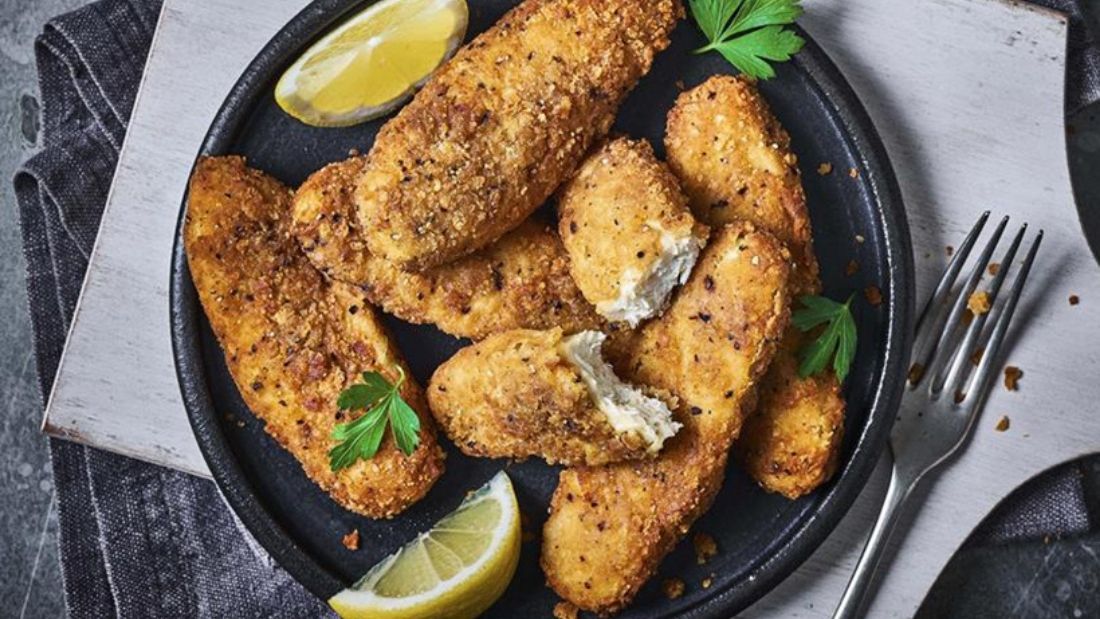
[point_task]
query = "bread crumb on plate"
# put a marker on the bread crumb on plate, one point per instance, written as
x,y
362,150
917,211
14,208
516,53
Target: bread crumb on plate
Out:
x,y
351,540
673,588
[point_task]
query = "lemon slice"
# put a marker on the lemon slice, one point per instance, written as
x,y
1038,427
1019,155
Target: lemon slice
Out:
x,y
371,63
456,570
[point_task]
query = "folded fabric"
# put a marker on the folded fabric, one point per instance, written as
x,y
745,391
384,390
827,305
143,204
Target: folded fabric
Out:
x,y
138,540
1083,57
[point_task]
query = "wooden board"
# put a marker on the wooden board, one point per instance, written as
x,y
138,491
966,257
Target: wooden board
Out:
x,y
968,97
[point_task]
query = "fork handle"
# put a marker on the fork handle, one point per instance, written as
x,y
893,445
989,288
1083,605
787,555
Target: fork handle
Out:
x,y
851,602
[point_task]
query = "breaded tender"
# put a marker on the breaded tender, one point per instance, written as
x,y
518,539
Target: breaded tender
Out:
x,y
289,341
791,444
610,526
521,281
541,393
503,123
629,233
735,161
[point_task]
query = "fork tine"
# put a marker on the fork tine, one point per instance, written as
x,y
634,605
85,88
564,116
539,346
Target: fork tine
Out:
x,y
979,383
940,354
959,364
934,308
952,273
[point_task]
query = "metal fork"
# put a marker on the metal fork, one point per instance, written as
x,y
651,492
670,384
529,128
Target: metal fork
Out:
x,y
937,411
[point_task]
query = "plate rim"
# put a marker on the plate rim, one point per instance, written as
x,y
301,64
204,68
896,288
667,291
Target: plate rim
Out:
x,y
850,478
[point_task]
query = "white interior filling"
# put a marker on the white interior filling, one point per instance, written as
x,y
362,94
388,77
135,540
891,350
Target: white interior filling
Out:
x,y
644,294
628,410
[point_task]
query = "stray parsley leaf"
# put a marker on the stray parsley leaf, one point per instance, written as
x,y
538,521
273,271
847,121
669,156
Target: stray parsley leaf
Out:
x,y
749,33
837,341
382,403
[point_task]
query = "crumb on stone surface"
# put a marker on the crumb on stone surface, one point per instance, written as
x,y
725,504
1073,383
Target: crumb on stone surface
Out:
x,y
852,268
994,268
979,303
705,547
1013,375
351,540
673,588
874,295
967,317
916,372
565,610
1074,299
825,169
1003,423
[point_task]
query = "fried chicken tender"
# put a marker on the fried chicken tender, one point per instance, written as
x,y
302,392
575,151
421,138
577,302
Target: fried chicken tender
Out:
x,y
539,393
610,527
521,281
629,233
289,340
503,123
791,444
735,161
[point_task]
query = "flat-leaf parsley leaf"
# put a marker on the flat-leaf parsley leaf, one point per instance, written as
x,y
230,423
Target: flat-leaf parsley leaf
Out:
x,y
382,405
749,33
837,341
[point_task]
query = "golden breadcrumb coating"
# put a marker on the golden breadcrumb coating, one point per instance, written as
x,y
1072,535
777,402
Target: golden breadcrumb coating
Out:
x,y
610,526
628,230
735,161
516,395
290,341
521,281
503,123
791,444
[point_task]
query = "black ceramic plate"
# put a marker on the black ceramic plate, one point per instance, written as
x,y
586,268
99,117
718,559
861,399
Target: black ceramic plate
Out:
x,y
761,537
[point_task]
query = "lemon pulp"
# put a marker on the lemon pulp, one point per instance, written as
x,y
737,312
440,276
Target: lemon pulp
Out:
x,y
455,570
367,66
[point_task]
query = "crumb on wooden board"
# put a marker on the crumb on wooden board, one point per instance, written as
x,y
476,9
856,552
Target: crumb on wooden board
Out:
x,y
979,303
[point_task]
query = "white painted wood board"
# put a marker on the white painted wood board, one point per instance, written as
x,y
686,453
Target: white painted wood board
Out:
x,y
968,97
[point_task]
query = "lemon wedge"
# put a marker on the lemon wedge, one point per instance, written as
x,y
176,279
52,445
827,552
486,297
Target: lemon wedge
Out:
x,y
371,63
456,570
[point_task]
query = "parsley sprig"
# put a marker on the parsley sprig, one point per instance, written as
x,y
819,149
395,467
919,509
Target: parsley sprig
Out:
x,y
361,438
749,33
838,340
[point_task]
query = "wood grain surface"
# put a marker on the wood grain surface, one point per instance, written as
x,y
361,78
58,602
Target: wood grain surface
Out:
x,y
968,97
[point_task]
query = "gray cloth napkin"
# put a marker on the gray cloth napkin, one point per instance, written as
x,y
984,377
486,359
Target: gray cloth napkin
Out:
x,y
137,540
142,541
